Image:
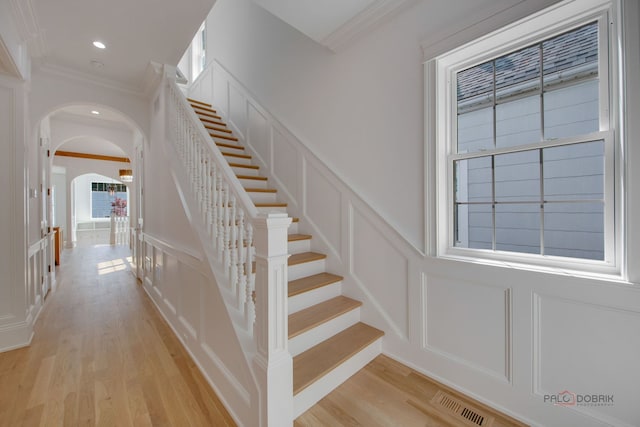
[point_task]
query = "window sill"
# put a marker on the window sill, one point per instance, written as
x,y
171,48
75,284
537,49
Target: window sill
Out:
x,y
610,275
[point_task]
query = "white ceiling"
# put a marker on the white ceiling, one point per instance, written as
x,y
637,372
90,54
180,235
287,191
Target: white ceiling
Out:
x,y
136,32
316,19
331,23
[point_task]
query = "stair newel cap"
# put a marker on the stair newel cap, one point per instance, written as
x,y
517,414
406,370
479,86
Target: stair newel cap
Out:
x,y
271,234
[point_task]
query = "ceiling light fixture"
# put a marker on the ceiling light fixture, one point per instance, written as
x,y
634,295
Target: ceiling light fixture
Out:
x,y
99,44
97,113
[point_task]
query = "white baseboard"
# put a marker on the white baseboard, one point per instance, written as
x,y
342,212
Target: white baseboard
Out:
x,y
16,335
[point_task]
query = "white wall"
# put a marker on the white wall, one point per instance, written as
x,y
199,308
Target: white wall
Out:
x,y
19,297
504,334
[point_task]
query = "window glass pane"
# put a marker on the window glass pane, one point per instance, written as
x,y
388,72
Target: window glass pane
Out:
x,y
518,122
474,226
518,73
574,172
475,85
475,108
571,110
571,55
473,180
517,177
574,230
475,130
518,227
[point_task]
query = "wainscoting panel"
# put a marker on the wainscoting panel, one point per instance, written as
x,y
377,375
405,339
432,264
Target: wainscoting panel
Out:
x,y
171,285
191,295
323,207
286,166
258,134
469,322
578,345
380,270
220,91
237,110
180,286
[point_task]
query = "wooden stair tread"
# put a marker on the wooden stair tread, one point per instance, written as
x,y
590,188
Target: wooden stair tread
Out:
x,y
295,219
309,283
202,113
215,122
313,364
217,128
191,101
240,156
238,165
224,145
257,178
297,237
205,108
303,257
260,190
270,205
307,319
230,138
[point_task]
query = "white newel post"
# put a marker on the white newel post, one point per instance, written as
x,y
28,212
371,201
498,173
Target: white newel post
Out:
x,y
273,362
112,232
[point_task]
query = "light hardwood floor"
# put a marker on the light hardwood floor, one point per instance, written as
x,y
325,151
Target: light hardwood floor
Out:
x,y
103,356
388,393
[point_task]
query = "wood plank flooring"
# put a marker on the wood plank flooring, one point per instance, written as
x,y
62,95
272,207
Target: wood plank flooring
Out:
x,y
103,356
388,394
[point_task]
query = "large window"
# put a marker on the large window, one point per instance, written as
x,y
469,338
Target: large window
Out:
x,y
527,145
198,52
108,198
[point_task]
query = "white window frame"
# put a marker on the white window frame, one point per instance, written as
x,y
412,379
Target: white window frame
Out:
x,y
442,114
198,52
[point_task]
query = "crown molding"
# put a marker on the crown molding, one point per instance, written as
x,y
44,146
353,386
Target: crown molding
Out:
x,y
374,14
28,27
72,74
7,66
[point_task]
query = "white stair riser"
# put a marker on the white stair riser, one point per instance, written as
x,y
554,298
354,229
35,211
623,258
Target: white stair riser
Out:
x,y
316,296
259,197
240,160
306,269
293,228
253,183
270,209
245,171
315,336
299,246
325,385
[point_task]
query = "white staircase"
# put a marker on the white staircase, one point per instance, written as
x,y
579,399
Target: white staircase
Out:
x,y
327,341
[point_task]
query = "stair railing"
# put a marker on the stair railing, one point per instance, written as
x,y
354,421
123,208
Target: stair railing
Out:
x,y
236,237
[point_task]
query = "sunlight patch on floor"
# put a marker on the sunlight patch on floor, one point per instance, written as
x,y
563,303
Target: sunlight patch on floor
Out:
x,y
111,266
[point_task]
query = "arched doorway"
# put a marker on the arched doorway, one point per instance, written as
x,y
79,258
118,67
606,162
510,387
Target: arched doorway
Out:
x,y
91,150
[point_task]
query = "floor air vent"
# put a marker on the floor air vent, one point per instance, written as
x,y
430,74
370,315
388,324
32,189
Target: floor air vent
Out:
x,y
461,410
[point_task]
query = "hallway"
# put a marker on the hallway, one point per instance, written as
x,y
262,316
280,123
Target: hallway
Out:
x,y
102,355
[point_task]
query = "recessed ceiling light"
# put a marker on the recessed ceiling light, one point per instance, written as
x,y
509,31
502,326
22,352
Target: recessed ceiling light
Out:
x,y
99,44
97,113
